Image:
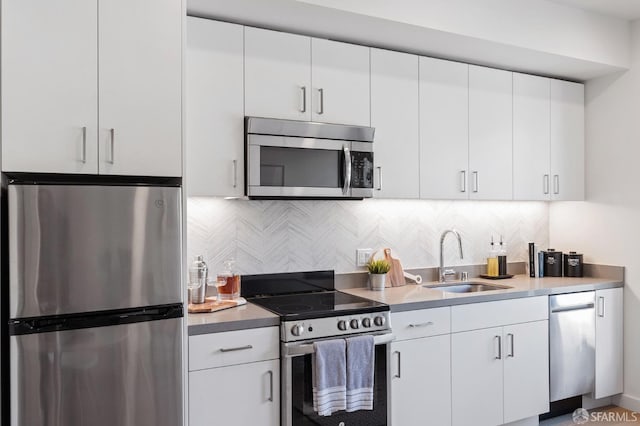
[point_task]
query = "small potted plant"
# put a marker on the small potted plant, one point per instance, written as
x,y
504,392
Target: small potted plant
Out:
x,y
378,273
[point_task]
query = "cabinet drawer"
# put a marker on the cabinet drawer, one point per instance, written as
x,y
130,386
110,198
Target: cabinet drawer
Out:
x,y
233,347
421,323
494,314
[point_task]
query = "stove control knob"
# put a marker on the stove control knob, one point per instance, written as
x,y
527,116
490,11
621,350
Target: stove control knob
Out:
x,y
366,322
297,330
355,324
379,321
342,325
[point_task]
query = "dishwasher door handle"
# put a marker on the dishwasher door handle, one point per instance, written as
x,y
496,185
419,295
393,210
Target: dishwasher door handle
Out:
x,y
572,308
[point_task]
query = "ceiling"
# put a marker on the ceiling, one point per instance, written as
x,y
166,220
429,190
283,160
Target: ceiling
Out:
x,y
625,9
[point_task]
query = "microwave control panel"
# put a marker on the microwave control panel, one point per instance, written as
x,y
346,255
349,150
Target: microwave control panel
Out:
x,y
361,169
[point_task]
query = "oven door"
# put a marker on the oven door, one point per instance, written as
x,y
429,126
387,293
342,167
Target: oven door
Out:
x,y
297,396
284,166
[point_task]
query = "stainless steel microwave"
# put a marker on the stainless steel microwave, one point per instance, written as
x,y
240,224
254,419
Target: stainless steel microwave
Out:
x,y
299,159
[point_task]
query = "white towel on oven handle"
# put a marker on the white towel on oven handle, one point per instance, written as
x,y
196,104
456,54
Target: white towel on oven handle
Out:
x,y
360,372
329,376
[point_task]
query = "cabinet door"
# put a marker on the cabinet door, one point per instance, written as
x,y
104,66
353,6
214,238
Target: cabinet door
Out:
x,y
531,139
421,381
567,140
340,83
246,394
394,114
49,93
277,75
140,61
490,133
215,108
444,129
477,377
609,348
526,370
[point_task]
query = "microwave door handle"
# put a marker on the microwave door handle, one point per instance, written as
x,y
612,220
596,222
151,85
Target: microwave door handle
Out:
x,y
347,171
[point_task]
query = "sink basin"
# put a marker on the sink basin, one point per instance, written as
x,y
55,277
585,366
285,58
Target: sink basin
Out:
x,y
466,287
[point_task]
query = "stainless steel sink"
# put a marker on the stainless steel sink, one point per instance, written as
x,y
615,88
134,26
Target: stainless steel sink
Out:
x,y
466,287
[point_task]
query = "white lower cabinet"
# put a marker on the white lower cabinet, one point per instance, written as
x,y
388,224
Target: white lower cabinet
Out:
x,y
419,368
609,345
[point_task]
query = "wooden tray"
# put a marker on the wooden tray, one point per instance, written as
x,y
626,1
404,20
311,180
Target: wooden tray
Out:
x,y
211,304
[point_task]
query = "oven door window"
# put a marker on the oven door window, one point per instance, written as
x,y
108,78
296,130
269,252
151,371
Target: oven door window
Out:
x,y
302,397
300,167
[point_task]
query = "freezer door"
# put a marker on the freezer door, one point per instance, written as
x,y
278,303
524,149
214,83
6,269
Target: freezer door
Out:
x,y
81,248
124,375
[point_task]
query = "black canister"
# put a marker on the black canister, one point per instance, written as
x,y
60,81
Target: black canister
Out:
x,y
573,264
552,263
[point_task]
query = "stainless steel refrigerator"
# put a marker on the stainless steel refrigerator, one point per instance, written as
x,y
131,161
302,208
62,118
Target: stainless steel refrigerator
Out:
x,y
94,302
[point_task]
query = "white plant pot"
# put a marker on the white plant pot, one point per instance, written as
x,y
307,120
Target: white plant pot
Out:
x,y
377,281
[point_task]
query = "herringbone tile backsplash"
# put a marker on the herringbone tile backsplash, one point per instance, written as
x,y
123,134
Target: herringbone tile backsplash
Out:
x,y
287,236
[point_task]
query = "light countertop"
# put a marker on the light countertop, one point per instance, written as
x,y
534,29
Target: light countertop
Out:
x,y
237,318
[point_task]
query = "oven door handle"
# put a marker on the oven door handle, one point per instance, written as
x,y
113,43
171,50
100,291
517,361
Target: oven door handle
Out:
x,y
295,349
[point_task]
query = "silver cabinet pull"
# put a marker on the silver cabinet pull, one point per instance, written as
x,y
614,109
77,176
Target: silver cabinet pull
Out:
x,y
510,337
545,184
379,178
347,170
303,95
475,182
235,173
463,181
270,399
556,184
321,106
112,142
601,307
84,145
239,348
421,324
499,339
397,376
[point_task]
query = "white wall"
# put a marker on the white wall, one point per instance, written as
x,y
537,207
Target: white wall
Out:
x,y
606,227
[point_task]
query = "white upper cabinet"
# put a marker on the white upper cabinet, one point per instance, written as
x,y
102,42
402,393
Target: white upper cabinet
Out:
x,y
87,88
277,75
140,81
278,78
444,129
531,138
394,115
490,133
340,77
215,111
49,91
567,140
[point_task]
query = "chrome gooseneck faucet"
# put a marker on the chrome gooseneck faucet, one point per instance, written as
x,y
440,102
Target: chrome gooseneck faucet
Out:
x,y
448,274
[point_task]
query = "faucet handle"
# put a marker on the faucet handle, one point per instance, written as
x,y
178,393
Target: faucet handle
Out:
x,y
448,275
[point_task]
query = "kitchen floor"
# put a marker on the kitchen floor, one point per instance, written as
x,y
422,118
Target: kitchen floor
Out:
x,y
610,416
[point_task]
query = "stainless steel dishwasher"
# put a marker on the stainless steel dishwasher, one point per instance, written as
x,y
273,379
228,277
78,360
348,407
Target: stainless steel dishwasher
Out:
x,y
572,329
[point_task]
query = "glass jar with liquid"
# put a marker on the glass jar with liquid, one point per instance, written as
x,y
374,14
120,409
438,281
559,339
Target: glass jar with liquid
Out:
x,y
228,282
492,261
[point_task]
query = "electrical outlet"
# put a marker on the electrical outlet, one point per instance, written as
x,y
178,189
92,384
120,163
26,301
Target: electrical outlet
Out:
x,y
363,256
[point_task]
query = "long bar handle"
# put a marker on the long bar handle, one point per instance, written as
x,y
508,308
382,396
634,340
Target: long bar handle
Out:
x,y
294,349
270,399
475,181
511,344
601,307
379,178
421,324
303,96
238,348
499,354
347,170
112,142
84,145
556,184
398,374
463,181
235,173
572,308
545,184
321,107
